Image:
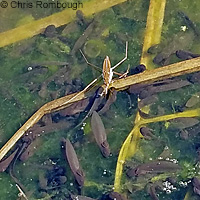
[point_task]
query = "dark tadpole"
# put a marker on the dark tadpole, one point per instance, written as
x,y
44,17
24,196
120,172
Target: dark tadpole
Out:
x,y
153,167
151,189
158,87
12,167
75,108
81,18
99,132
79,197
94,104
37,130
194,100
194,78
111,99
137,89
179,41
138,69
74,162
50,31
184,122
196,185
186,55
30,149
147,101
113,196
147,133
189,22
83,38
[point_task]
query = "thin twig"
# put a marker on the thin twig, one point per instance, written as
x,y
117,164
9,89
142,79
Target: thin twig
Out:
x,y
21,192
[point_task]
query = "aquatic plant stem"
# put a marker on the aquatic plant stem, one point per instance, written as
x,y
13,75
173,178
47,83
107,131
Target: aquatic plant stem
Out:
x,y
57,19
161,73
188,195
153,30
131,143
152,37
188,113
124,153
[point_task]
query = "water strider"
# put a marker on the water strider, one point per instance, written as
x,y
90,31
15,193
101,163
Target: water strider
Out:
x,y
108,71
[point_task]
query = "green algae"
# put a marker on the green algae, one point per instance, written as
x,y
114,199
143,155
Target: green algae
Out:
x,y
8,188
90,157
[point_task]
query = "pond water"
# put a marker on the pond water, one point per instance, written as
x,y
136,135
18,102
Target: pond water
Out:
x,y
49,65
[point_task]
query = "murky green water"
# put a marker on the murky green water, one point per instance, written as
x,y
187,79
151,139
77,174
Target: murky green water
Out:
x,y
21,96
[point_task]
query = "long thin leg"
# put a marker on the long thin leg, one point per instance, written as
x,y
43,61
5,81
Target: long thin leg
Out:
x,y
95,67
117,73
119,63
84,90
124,75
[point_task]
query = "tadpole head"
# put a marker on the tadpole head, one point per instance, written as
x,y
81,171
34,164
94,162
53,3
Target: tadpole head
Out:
x,y
80,178
132,172
105,149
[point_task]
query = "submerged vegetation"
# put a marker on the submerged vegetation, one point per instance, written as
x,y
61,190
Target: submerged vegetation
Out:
x,y
142,136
